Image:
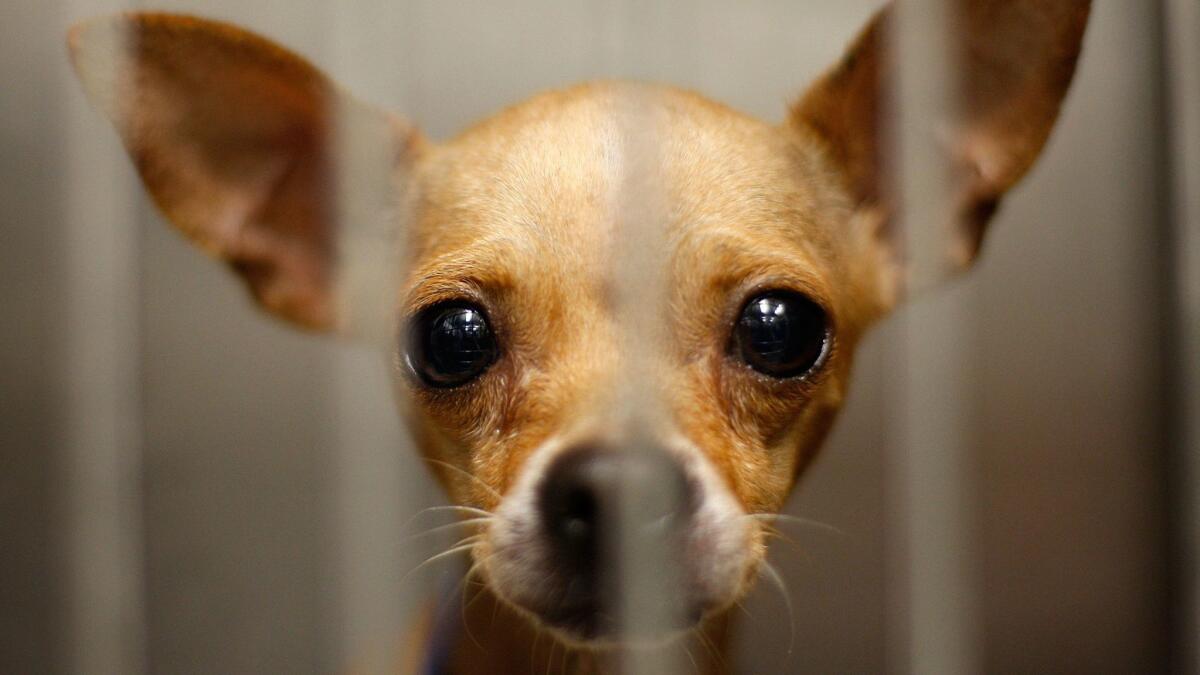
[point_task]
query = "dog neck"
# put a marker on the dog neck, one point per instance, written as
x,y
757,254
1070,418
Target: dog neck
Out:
x,y
475,633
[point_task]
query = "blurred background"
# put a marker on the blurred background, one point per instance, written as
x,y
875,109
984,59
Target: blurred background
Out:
x,y
127,355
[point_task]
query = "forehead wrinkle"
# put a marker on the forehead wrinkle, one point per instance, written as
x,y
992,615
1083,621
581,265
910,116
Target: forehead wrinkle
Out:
x,y
504,260
738,256
555,173
768,225
493,261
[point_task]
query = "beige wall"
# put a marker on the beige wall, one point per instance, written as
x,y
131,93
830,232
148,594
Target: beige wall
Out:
x,y
237,411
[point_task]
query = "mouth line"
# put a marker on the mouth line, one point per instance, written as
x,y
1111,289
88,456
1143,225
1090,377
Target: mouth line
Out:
x,y
586,623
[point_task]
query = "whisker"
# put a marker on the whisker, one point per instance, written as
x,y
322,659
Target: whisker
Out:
x,y
537,637
443,528
797,520
569,654
742,606
773,532
804,553
478,481
479,593
474,539
461,510
711,648
452,508
462,599
774,575
495,612
695,666
460,547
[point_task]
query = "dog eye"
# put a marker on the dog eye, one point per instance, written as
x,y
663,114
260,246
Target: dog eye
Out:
x,y
451,344
781,334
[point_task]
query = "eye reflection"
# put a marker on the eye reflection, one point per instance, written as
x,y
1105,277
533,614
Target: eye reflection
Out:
x,y
451,344
782,334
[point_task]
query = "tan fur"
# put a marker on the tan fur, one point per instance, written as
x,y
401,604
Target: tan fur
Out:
x,y
230,134
753,210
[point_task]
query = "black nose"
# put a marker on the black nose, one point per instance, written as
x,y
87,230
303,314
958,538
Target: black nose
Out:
x,y
587,490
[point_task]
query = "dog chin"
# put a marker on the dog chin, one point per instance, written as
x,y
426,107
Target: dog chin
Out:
x,y
596,629
593,626
590,621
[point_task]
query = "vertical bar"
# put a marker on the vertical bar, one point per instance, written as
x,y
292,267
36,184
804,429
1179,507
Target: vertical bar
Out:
x,y
378,478
934,626
648,589
101,462
1182,36
648,585
641,601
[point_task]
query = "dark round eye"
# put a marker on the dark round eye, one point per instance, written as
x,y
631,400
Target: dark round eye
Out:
x,y
781,334
451,344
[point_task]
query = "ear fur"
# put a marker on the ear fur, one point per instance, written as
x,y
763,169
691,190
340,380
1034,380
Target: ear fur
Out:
x,y
232,136
1018,58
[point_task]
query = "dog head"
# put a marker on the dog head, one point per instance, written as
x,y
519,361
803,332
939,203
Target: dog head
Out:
x,y
513,354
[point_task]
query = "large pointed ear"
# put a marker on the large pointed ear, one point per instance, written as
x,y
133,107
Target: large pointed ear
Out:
x,y
1017,59
236,140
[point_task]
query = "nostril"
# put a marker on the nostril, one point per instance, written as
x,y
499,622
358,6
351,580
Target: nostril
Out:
x,y
592,502
579,494
571,503
576,519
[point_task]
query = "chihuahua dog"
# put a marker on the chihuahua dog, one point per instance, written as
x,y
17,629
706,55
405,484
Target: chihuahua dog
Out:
x,y
778,252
